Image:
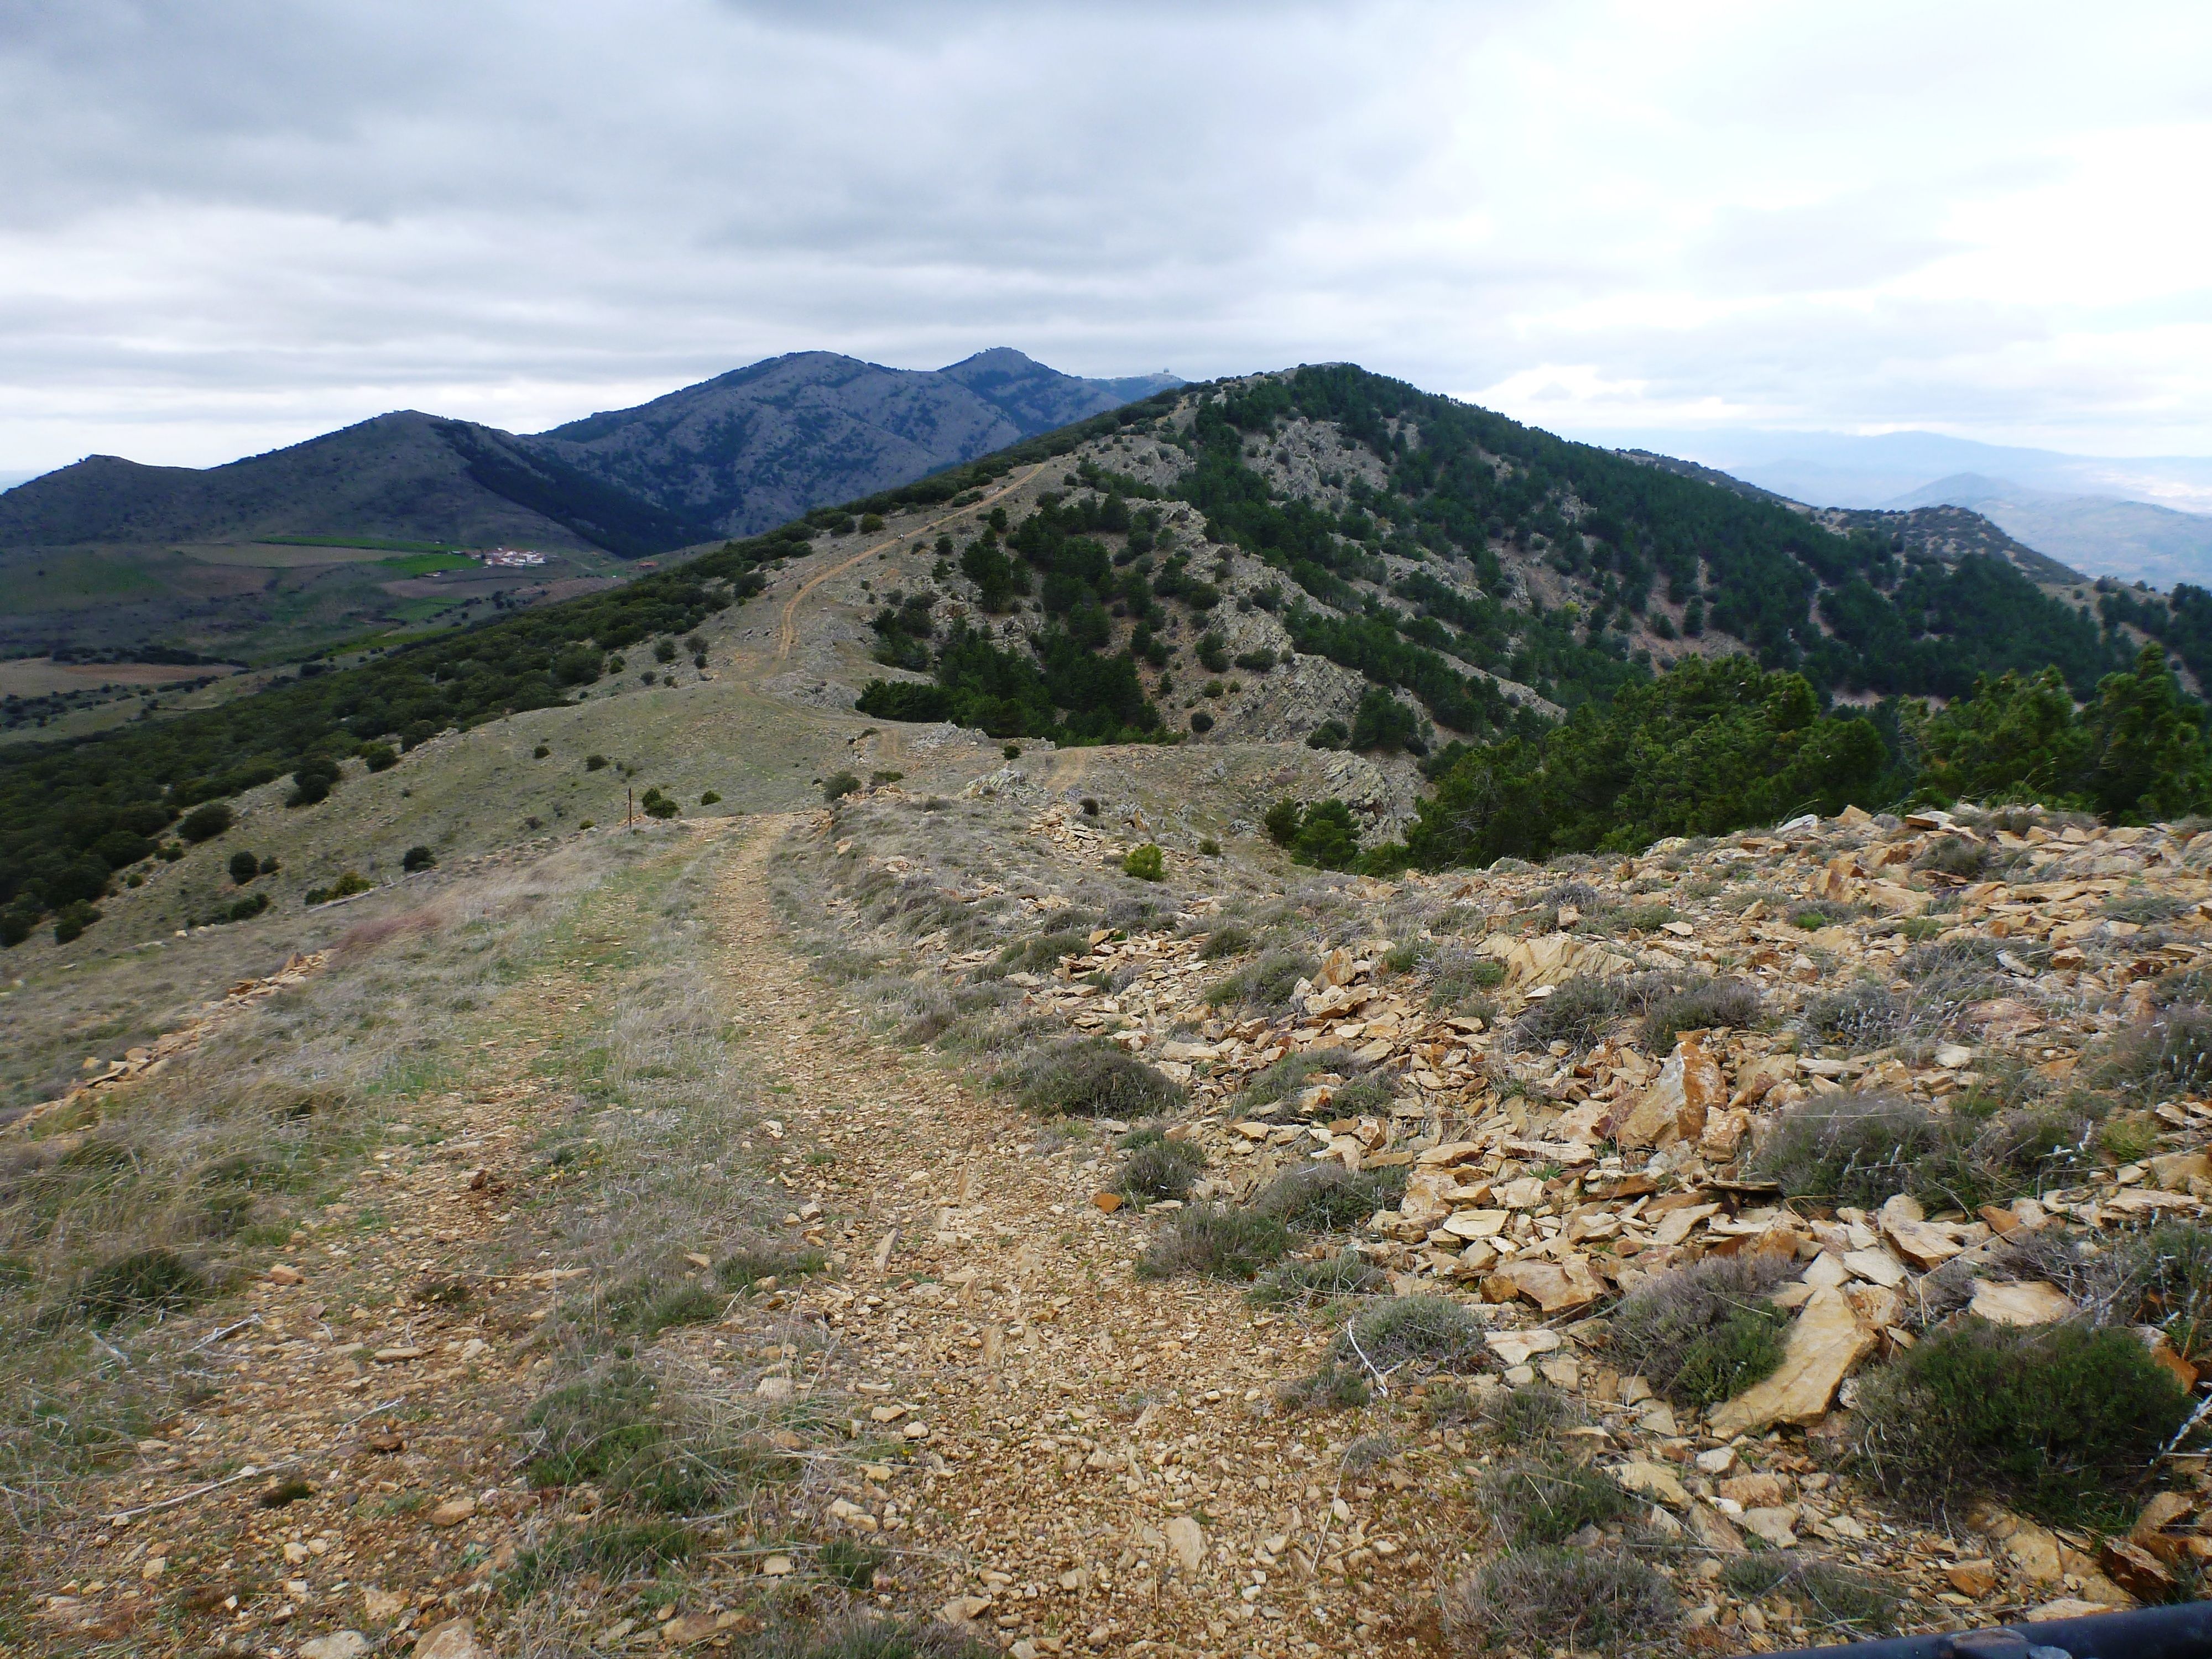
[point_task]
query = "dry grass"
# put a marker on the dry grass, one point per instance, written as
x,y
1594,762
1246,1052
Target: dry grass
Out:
x,y
1562,1600
179,1183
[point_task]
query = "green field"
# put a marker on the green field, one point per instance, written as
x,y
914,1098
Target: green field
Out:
x,y
373,544
422,564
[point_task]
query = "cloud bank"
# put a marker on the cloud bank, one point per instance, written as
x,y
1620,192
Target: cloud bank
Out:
x,y
231,225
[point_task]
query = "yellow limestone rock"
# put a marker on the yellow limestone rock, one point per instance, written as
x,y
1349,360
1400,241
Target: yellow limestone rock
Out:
x,y
2031,1303
1554,1287
1674,1109
1653,1481
1822,1346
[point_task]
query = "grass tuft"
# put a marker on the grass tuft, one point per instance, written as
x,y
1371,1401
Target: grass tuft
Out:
x,y
1218,1241
1831,1598
1325,1197
1862,1015
1706,1332
1092,1077
1548,1497
1578,1013
2172,1055
614,1551
1701,1004
1562,1600
1348,1273
1266,983
1160,1169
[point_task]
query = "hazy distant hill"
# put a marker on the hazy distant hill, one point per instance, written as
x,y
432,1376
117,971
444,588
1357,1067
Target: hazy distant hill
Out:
x,y
757,446
407,475
2134,541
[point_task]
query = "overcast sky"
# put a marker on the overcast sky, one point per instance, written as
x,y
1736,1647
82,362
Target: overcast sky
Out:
x,y
227,225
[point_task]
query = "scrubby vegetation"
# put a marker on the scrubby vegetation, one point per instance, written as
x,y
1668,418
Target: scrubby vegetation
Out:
x,y
1703,1333
73,816
1090,1077
2062,1421
1582,1600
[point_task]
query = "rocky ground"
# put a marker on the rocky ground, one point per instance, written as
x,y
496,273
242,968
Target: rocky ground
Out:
x,y
1041,1445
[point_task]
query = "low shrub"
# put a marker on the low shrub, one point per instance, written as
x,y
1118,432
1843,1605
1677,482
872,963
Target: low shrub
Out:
x,y
1092,1077
1700,1004
1161,1169
1145,863
1861,1148
1562,1600
1703,1333
244,867
2172,1056
613,1551
1837,1599
1851,1149
2062,1422
73,919
2160,1277
1266,983
1216,1240
1348,1273
350,882
1862,1015
418,858
838,784
1643,917
1325,1197
1578,1013
205,822
1548,1497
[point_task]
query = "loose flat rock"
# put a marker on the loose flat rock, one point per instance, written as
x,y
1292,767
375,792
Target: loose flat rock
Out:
x,y
1826,1341
2031,1302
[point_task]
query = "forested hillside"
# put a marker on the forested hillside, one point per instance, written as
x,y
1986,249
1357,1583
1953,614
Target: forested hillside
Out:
x,y
1207,559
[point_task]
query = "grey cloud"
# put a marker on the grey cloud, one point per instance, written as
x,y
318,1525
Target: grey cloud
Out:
x,y
241,221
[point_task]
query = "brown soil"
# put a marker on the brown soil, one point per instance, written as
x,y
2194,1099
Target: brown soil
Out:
x,y
1074,1456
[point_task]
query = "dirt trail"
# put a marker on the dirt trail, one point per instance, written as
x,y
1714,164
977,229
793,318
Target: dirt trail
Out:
x,y
1062,1452
787,624
1092,1463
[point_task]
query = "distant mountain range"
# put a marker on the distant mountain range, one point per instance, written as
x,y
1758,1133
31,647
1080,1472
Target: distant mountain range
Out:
x,y
737,454
2146,519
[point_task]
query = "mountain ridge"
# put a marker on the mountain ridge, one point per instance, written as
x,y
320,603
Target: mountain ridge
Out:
x,y
633,480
